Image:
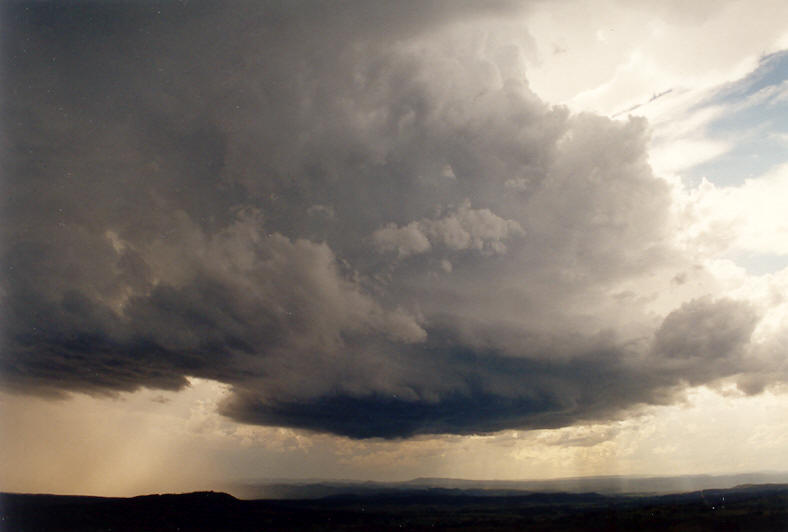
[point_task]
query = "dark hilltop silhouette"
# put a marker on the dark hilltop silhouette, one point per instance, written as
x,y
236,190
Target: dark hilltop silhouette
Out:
x,y
748,507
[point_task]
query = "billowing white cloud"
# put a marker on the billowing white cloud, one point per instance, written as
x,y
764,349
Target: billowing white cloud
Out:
x,y
406,240
741,219
462,229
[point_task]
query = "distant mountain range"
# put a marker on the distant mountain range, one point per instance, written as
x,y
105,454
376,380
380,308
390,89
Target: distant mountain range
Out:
x,y
316,489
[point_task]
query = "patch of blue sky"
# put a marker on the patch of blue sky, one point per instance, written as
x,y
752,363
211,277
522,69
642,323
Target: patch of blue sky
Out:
x,y
760,263
753,154
754,123
771,71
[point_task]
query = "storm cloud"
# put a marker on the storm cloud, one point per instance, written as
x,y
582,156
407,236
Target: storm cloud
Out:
x,y
356,214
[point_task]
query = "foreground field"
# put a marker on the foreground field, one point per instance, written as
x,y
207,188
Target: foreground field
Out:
x,y
761,508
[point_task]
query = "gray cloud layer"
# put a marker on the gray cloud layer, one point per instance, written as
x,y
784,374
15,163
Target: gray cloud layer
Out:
x,y
357,215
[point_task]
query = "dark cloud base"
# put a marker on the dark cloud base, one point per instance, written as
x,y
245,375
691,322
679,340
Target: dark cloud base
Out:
x,y
386,417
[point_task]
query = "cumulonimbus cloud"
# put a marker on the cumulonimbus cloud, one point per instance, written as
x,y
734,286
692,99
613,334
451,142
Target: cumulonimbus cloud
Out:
x,y
275,212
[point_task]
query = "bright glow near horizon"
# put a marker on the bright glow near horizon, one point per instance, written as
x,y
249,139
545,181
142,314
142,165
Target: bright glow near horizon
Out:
x,y
151,442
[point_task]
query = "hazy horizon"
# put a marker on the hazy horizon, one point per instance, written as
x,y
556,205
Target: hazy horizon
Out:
x,y
373,240
317,488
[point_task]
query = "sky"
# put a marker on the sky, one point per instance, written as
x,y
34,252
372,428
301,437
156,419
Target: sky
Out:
x,y
375,240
